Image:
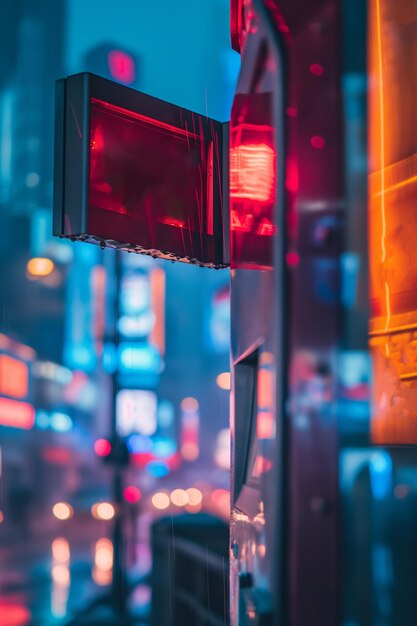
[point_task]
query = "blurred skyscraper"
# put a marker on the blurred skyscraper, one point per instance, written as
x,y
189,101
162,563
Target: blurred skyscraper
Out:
x,y
31,58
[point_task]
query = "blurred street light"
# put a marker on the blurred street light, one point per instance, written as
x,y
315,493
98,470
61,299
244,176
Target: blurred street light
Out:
x,y
40,266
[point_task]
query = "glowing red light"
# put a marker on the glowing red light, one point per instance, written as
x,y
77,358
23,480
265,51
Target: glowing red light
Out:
x,y
252,172
241,222
292,259
13,377
16,414
317,142
266,227
291,112
132,494
122,66
102,447
56,456
316,69
14,615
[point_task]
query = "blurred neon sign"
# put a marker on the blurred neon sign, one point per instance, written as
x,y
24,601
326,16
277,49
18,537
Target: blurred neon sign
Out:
x,y
136,412
16,414
138,358
14,377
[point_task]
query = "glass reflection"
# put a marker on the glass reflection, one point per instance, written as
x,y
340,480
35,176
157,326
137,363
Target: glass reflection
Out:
x,y
61,577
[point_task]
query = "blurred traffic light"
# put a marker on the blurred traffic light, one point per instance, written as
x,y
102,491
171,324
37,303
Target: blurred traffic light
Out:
x,y
132,494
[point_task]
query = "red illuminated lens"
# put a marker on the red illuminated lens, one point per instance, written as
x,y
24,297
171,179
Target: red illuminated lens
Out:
x,y
253,181
252,172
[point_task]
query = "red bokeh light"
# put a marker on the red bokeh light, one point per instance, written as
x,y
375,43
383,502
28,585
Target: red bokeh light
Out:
x,y
132,494
14,615
102,447
122,66
316,69
317,142
16,414
291,112
292,259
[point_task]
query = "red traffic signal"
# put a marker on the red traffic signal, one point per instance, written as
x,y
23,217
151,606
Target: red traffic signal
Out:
x,y
132,494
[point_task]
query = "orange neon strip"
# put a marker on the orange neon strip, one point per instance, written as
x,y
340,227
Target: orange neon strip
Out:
x,y
157,337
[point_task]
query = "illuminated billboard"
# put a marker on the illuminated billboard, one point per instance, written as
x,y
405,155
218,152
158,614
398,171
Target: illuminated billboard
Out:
x,y
136,412
137,173
393,220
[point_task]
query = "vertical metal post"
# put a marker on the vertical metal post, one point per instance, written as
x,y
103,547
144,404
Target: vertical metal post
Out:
x,y
118,589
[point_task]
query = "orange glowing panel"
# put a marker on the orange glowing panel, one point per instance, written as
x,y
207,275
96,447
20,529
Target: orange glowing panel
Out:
x,y
392,219
14,377
16,414
252,172
157,337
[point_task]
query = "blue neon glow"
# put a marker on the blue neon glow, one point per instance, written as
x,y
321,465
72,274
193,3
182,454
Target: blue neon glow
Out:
x,y
42,420
57,421
157,469
139,443
61,422
166,413
139,358
380,467
164,447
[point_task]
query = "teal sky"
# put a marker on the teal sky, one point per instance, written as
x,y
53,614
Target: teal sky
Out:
x,y
183,45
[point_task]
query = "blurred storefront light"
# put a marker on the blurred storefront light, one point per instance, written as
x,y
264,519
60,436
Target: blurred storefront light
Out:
x,y
195,497
189,405
62,510
136,412
160,500
223,381
14,377
40,266
157,469
179,497
16,414
61,577
60,550
103,511
103,562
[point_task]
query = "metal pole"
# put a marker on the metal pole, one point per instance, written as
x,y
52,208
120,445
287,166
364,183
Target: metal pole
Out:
x,y
119,588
